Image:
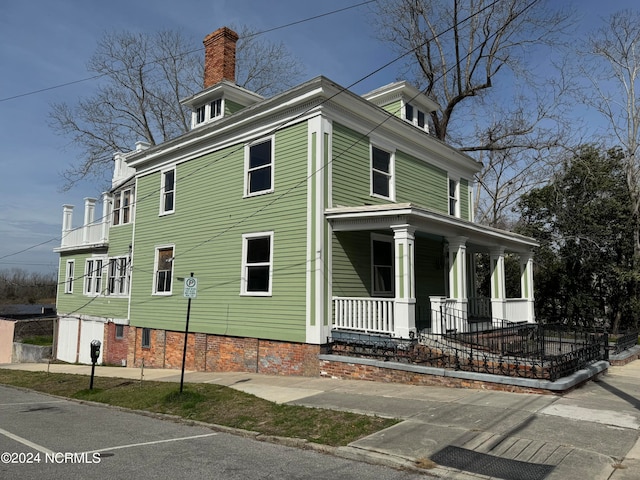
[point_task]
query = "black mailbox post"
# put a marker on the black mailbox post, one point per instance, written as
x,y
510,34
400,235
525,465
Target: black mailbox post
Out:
x,y
95,353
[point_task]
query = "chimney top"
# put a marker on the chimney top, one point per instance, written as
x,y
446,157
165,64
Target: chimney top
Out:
x,y
220,56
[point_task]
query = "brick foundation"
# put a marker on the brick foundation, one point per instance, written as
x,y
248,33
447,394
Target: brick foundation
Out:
x,y
115,350
216,353
352,371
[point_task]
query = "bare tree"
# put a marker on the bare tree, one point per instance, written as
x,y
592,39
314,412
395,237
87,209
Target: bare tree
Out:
x,y
142,78
471,58
613,67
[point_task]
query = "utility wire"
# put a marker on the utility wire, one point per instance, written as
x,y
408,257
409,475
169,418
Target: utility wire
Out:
x,y
95,77
300,115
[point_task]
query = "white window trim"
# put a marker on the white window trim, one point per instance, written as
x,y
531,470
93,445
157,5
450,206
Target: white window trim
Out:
x,y
210,112
195,121
91,281
69,276
162,192
391,174
414,120
387,239
120,195
155,270
456,197
118,279
243,273
247,150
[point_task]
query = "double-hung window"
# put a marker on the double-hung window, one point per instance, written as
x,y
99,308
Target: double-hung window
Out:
x,y
257,263
168,190
259,167
68,281
381,173
93,277
118,280
163,270
453,198
122,207
382,268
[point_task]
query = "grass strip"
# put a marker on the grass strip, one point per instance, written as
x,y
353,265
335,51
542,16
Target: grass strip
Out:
x,y
207,403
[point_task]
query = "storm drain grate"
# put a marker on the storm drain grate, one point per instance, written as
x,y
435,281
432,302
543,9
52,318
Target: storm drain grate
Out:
x,y
481,463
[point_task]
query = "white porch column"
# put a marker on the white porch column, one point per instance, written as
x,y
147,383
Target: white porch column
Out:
x,y
498,289
106,215
526,284
89,216
67,218
405,298
458,274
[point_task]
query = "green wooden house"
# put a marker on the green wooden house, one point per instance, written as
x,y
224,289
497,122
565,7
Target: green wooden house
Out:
x,y
309,213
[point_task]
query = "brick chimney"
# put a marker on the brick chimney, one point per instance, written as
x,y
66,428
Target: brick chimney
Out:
x,y
220,56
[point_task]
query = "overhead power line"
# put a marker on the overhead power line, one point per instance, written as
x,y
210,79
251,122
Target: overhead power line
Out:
x,y
262,32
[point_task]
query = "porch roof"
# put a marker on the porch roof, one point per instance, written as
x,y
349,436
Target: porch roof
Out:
x,y
379,217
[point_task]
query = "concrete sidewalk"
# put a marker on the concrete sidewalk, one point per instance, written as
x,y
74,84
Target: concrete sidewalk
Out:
x,y
590,433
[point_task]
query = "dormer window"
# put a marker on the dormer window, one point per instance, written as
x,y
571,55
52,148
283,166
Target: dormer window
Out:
x,y
216,108
209,111
415,116
200,114
408,112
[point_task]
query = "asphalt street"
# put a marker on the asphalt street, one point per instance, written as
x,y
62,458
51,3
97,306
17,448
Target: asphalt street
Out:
x,y
43,437
589,433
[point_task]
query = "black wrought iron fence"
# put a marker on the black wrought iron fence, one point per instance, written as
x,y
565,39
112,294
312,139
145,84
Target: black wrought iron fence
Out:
x,y
512,349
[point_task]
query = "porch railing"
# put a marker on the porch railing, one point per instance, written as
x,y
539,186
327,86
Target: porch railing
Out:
x,y
370,315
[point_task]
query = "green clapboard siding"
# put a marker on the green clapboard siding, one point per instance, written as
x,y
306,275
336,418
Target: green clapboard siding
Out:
x,y
231,107
351,167
210,217
420,183
351,252
394,108
77,303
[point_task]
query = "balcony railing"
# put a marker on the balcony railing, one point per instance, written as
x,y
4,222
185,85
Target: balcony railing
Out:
x,y
370,315
91,234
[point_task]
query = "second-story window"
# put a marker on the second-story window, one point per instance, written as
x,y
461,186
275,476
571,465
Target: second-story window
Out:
x,y
168,188
381,173
259,167
453,198
122,207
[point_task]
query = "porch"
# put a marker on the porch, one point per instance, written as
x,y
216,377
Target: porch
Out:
x,y
400,270
377,315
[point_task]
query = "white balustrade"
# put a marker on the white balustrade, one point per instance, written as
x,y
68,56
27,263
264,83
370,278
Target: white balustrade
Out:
x,y
372,315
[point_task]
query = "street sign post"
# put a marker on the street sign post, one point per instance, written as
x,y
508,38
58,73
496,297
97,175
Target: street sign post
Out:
x,y
190,290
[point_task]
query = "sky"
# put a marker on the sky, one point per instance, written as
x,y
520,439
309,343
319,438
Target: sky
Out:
x,y
44,44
